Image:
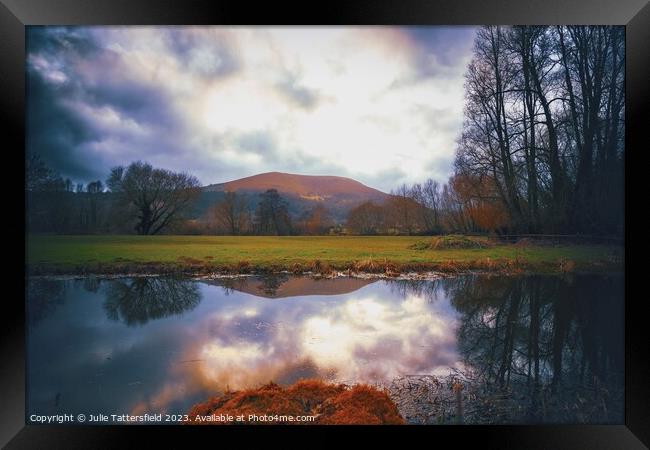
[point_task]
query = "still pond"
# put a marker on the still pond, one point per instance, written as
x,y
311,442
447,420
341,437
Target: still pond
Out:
x,y
526,349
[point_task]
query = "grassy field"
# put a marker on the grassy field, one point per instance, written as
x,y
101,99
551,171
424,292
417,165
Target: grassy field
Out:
x,y
199,254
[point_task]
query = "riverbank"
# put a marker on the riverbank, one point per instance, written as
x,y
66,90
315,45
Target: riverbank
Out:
x,y
390,255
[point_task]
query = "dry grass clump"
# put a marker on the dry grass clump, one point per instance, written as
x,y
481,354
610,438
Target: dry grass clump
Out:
x,y
320,267
451,241
297,268
453,266
367,265
243,266
361,405
370,265
567,265
524,242
519,264
333,404
516,265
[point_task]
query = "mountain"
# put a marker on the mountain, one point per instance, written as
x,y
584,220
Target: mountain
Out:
x,y
338,194
308,187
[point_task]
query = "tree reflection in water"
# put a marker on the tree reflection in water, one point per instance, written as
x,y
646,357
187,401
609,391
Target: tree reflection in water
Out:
x,y
231,285
138,300
266,285
542,348
271,283
43,297
427,289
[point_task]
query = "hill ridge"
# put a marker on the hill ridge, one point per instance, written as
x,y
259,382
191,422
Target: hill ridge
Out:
x,y
298,184
338,194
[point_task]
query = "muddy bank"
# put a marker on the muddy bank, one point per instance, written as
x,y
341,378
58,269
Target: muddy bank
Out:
x,y
365,268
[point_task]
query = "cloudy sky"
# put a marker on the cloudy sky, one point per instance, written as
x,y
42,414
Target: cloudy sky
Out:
x,y
382,105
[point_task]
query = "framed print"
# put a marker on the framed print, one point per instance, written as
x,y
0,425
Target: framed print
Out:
x,y
372,217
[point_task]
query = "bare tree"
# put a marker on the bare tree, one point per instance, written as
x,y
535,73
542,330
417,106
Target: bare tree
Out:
x,y
593,62
233,213
316,220
155,196
367,218
427,198
94,191
272,215
402,210
544,124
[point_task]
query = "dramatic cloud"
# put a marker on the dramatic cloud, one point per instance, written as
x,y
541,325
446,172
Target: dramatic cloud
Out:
x,y
382,105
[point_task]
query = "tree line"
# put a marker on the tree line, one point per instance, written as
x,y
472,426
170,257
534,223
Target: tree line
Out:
x,y
136,199
428,208
543,133
268,214
145,200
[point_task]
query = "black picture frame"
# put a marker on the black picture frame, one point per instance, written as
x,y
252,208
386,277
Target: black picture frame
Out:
x,y
16,14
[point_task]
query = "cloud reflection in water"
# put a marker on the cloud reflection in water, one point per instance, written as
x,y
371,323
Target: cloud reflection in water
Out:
x,y
231,339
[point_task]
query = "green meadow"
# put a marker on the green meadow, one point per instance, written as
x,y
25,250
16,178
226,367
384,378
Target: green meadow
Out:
x,y
57,254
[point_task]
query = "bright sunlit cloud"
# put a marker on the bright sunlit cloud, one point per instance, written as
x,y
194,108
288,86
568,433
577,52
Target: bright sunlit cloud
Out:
x,y
382,105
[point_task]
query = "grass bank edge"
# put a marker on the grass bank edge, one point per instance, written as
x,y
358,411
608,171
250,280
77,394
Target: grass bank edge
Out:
x,y
391,255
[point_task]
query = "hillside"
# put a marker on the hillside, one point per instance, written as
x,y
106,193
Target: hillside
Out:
x,y
311,187
338,194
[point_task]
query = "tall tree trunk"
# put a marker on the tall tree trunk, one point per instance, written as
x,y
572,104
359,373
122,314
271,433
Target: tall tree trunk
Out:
x,y
530,143
501,127
558,184
590,59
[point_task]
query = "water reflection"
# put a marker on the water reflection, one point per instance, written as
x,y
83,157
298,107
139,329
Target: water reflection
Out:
x,y
367,336
282,286
546,329
431,291
45,295
138,300
554,343
198,338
